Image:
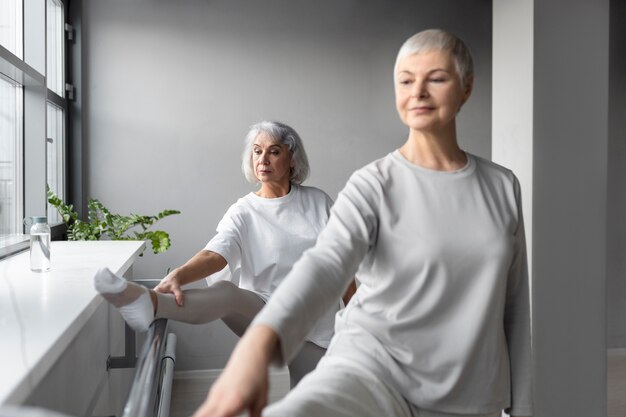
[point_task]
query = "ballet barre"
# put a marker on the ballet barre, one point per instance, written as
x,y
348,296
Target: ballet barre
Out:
x,y
151,390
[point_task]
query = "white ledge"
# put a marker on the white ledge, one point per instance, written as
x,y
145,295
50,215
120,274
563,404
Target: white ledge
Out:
x,y
40,313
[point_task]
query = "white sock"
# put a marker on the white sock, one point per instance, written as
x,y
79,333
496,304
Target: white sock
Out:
x,y
133,301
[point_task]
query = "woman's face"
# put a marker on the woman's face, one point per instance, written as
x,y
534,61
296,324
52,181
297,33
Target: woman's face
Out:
x,y
271,160
428,90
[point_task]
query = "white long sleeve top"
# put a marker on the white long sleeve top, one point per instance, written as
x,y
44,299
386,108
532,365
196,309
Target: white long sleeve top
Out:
x,y
262,238
442,312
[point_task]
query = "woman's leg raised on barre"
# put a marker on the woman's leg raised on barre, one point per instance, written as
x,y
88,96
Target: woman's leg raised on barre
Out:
x,y
140,306
220,300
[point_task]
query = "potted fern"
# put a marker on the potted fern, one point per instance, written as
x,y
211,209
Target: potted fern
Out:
x,y
101,223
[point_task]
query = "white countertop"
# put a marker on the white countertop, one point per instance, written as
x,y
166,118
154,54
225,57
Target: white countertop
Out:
x,y
40,313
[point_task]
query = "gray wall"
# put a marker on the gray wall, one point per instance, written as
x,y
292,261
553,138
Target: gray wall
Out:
x,y
571,93
169,89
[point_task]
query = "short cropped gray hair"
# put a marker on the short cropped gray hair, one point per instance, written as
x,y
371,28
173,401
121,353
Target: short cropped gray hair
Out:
x,y
437,39
285,135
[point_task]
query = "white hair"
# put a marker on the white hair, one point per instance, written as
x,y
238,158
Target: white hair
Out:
x,y
284,135
437,39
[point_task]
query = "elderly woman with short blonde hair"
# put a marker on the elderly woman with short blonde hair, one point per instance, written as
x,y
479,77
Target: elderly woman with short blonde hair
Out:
x,y
440,325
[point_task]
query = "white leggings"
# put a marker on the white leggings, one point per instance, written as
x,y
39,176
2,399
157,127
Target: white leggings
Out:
x,y
345,390
236,307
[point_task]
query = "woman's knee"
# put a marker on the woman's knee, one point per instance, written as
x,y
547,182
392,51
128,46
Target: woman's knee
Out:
x,y
333,390
226,287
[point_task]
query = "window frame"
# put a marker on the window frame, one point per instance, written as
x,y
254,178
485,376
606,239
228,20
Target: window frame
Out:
x,y
62,102
34,123
19,159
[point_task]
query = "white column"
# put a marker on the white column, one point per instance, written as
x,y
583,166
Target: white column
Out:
x,y
550,125
512,98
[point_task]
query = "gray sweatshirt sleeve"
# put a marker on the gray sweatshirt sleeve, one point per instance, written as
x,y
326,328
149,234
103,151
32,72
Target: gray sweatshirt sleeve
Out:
x,y
323,273
517,323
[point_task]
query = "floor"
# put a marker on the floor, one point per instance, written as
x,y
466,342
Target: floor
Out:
x,y
190,389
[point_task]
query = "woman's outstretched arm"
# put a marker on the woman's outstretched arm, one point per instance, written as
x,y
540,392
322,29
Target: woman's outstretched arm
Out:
x,y
201,265
243,385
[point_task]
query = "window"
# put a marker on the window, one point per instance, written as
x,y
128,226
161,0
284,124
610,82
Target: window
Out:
x,y
10,161
11,26
33,113
55,27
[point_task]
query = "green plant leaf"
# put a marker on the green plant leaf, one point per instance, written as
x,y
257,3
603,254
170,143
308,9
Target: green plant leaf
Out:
x,y
101,223
159,240
166,213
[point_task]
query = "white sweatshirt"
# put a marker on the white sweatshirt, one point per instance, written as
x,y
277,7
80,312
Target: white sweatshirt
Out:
x,y
262,238
442,312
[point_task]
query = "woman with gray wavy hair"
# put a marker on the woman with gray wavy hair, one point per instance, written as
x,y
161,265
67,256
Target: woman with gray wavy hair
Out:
x,y
285,135
440,325
259,239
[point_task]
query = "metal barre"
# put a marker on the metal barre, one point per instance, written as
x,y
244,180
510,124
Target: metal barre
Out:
x,y
167,376
145,398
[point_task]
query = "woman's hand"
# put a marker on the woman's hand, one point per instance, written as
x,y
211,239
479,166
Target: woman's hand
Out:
x,y
243,384
201,265
171,284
